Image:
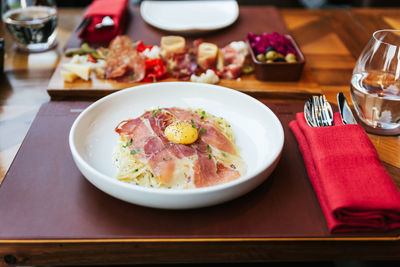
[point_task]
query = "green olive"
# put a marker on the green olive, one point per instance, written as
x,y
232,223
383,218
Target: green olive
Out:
x,y
261,57
247,69
271,55
290,57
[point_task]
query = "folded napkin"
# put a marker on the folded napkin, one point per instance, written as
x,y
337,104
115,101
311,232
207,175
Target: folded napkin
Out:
x,y
97,10
355,192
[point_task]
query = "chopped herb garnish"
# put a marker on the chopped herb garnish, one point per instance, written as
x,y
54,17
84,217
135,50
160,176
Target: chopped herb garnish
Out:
x,y
165,159
208,151
193,125
203,114
127,143
203,130
134,151
223,154
155,111
136,170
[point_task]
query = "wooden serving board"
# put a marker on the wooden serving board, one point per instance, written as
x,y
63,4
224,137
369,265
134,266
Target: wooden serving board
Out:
x,y
257,19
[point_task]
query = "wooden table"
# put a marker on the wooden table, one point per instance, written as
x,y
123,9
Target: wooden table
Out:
x,y
331,41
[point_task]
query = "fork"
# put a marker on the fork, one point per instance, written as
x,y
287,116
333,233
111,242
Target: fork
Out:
x,y
318,112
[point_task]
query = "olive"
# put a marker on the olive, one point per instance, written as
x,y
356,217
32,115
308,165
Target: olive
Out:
x,y
270,48
261,57
290,57
269,61
271,55
280,59
247,69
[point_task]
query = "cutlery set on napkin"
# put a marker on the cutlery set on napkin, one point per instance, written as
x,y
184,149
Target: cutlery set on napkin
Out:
x,y
354,190
103,21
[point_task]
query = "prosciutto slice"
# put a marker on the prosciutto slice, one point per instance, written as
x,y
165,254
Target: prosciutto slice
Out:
x,y
175,163
233,62
123,62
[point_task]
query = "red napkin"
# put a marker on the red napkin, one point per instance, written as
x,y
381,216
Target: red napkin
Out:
x,y
355,192
97,10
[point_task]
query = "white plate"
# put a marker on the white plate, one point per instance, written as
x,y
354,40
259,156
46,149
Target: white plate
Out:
x,y
257,131
189,16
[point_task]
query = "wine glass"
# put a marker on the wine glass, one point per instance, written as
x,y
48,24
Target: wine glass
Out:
x,y
375,84
31,23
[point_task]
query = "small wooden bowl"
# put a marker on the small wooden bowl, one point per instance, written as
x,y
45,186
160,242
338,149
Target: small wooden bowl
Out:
x,y
278,71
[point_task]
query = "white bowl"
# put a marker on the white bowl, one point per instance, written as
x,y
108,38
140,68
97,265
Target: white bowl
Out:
x,y
189,16
258,134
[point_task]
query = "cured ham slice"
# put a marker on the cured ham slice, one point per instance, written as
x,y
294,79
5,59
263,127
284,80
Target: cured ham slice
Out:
x,y
207,172
177,58
233,62
174,164
123,62
212,135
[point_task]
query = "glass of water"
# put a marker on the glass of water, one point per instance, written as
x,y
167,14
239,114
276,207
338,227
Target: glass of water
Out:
x,y
31,23
375,84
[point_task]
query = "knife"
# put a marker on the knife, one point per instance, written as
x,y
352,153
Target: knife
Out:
x,y
84,23
345,110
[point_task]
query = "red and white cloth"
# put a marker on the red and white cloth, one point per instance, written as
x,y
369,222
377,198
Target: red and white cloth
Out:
x,y
99,9
355,192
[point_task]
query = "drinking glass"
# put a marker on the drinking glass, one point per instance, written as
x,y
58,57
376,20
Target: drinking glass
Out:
x,y
31,23
375,84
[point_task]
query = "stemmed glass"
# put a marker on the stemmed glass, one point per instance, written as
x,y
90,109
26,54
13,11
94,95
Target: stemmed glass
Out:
x,y
375,84
32,23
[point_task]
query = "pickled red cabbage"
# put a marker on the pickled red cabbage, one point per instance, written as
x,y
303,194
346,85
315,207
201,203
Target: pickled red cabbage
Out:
x,y
260,43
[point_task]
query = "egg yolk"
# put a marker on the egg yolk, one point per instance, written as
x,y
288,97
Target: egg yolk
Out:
x,y
181,132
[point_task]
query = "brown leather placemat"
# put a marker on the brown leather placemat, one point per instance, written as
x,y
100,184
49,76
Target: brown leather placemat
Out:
x,y
257,19
44,196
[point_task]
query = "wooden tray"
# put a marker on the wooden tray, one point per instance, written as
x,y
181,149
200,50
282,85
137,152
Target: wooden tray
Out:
x,y
257,19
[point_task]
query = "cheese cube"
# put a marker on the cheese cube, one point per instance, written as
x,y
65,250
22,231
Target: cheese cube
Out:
x,y
82,70
68,76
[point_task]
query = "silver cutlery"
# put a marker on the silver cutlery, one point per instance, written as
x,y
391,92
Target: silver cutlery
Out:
x,y
344,110
107,22
318,112
84,23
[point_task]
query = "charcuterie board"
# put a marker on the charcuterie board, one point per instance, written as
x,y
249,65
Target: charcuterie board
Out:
x,y
137,29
